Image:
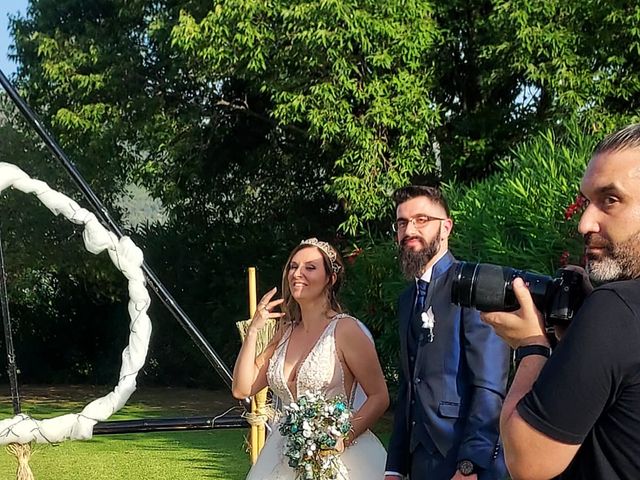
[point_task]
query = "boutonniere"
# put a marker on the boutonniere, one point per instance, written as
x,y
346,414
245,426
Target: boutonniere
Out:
x,y
428,323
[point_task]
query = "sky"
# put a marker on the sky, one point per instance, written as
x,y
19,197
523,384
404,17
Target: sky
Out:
x,y
8,7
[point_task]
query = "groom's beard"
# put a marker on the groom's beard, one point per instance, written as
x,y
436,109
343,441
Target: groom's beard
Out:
x,y
412,262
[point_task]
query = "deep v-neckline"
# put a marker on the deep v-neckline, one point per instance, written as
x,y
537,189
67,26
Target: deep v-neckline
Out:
x,y
298,369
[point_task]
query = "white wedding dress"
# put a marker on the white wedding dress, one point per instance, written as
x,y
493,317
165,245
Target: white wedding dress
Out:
x,y
321,371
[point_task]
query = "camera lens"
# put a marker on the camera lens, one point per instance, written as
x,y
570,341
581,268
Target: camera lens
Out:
x,y
462,289
488,287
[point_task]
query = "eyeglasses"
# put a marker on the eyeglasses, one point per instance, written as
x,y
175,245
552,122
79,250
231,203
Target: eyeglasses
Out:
x,y
419,221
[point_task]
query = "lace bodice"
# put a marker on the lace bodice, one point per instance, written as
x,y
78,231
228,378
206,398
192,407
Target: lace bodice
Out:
x,y
320,372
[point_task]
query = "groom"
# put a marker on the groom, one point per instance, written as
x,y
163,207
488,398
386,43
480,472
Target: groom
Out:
x,y
454,368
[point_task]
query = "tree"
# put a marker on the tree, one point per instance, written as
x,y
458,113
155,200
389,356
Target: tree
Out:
x,y
408,89
381,93
351,75
113,88
240,190
573,56
59,294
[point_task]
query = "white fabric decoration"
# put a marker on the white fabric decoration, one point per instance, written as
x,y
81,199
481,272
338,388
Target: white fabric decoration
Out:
x,y
128,259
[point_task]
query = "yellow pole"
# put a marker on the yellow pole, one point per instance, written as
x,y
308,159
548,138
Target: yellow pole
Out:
x,y
253,438
253,298
259,401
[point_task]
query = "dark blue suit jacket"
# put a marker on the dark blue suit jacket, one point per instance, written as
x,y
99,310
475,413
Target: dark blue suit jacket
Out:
x,y
460,381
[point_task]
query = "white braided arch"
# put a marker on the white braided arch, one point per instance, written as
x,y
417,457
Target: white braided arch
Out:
x,y
128,259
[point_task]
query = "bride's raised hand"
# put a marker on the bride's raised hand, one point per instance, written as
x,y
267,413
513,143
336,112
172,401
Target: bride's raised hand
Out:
x,y
264,310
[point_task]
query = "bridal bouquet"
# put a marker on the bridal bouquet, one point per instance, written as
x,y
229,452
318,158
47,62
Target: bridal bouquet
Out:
x,y
312,427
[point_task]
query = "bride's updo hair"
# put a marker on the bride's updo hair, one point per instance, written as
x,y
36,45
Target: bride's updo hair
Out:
x,y
333,266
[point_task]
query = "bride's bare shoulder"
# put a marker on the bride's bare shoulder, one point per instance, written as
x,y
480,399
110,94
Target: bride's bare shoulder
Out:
x,y
349,327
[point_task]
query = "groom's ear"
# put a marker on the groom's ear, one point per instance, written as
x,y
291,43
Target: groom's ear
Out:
x,y
446,228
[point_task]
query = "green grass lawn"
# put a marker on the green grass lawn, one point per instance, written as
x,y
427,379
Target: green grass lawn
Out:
x,y
164,456
195,455
208,454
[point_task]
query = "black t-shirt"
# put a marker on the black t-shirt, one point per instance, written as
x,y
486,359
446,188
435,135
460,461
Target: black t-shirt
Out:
x,y
589,390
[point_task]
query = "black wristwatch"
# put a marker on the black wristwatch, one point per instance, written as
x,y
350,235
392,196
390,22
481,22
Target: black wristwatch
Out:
x,y
466,467
527,350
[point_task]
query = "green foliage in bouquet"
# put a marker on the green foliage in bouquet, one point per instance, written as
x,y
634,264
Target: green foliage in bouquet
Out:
x,y
313,427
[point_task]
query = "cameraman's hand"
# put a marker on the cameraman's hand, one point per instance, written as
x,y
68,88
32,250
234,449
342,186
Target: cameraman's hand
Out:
x,y
522,327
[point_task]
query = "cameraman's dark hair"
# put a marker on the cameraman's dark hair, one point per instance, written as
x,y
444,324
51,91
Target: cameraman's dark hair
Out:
x,y
434,194
625,139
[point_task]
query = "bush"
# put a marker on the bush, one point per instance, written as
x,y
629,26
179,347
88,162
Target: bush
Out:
x,y
371,293
517,216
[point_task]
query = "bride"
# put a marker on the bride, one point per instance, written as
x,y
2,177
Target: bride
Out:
x,y
319,349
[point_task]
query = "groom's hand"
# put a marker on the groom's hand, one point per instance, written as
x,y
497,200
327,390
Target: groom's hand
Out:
x,y
392,477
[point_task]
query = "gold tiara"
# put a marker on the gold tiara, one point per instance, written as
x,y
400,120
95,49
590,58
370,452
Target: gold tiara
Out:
x,y
327,249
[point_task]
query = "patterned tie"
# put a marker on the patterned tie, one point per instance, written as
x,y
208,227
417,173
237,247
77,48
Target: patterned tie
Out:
x,y
420,298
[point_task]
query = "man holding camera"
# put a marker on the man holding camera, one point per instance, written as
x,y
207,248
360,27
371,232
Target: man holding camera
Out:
x,y
454,368
575,414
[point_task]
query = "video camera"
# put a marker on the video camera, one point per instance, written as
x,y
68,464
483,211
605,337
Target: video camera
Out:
x,y
489,288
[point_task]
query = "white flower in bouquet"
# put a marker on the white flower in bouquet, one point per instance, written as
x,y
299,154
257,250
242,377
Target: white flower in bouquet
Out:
x,y
312,428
